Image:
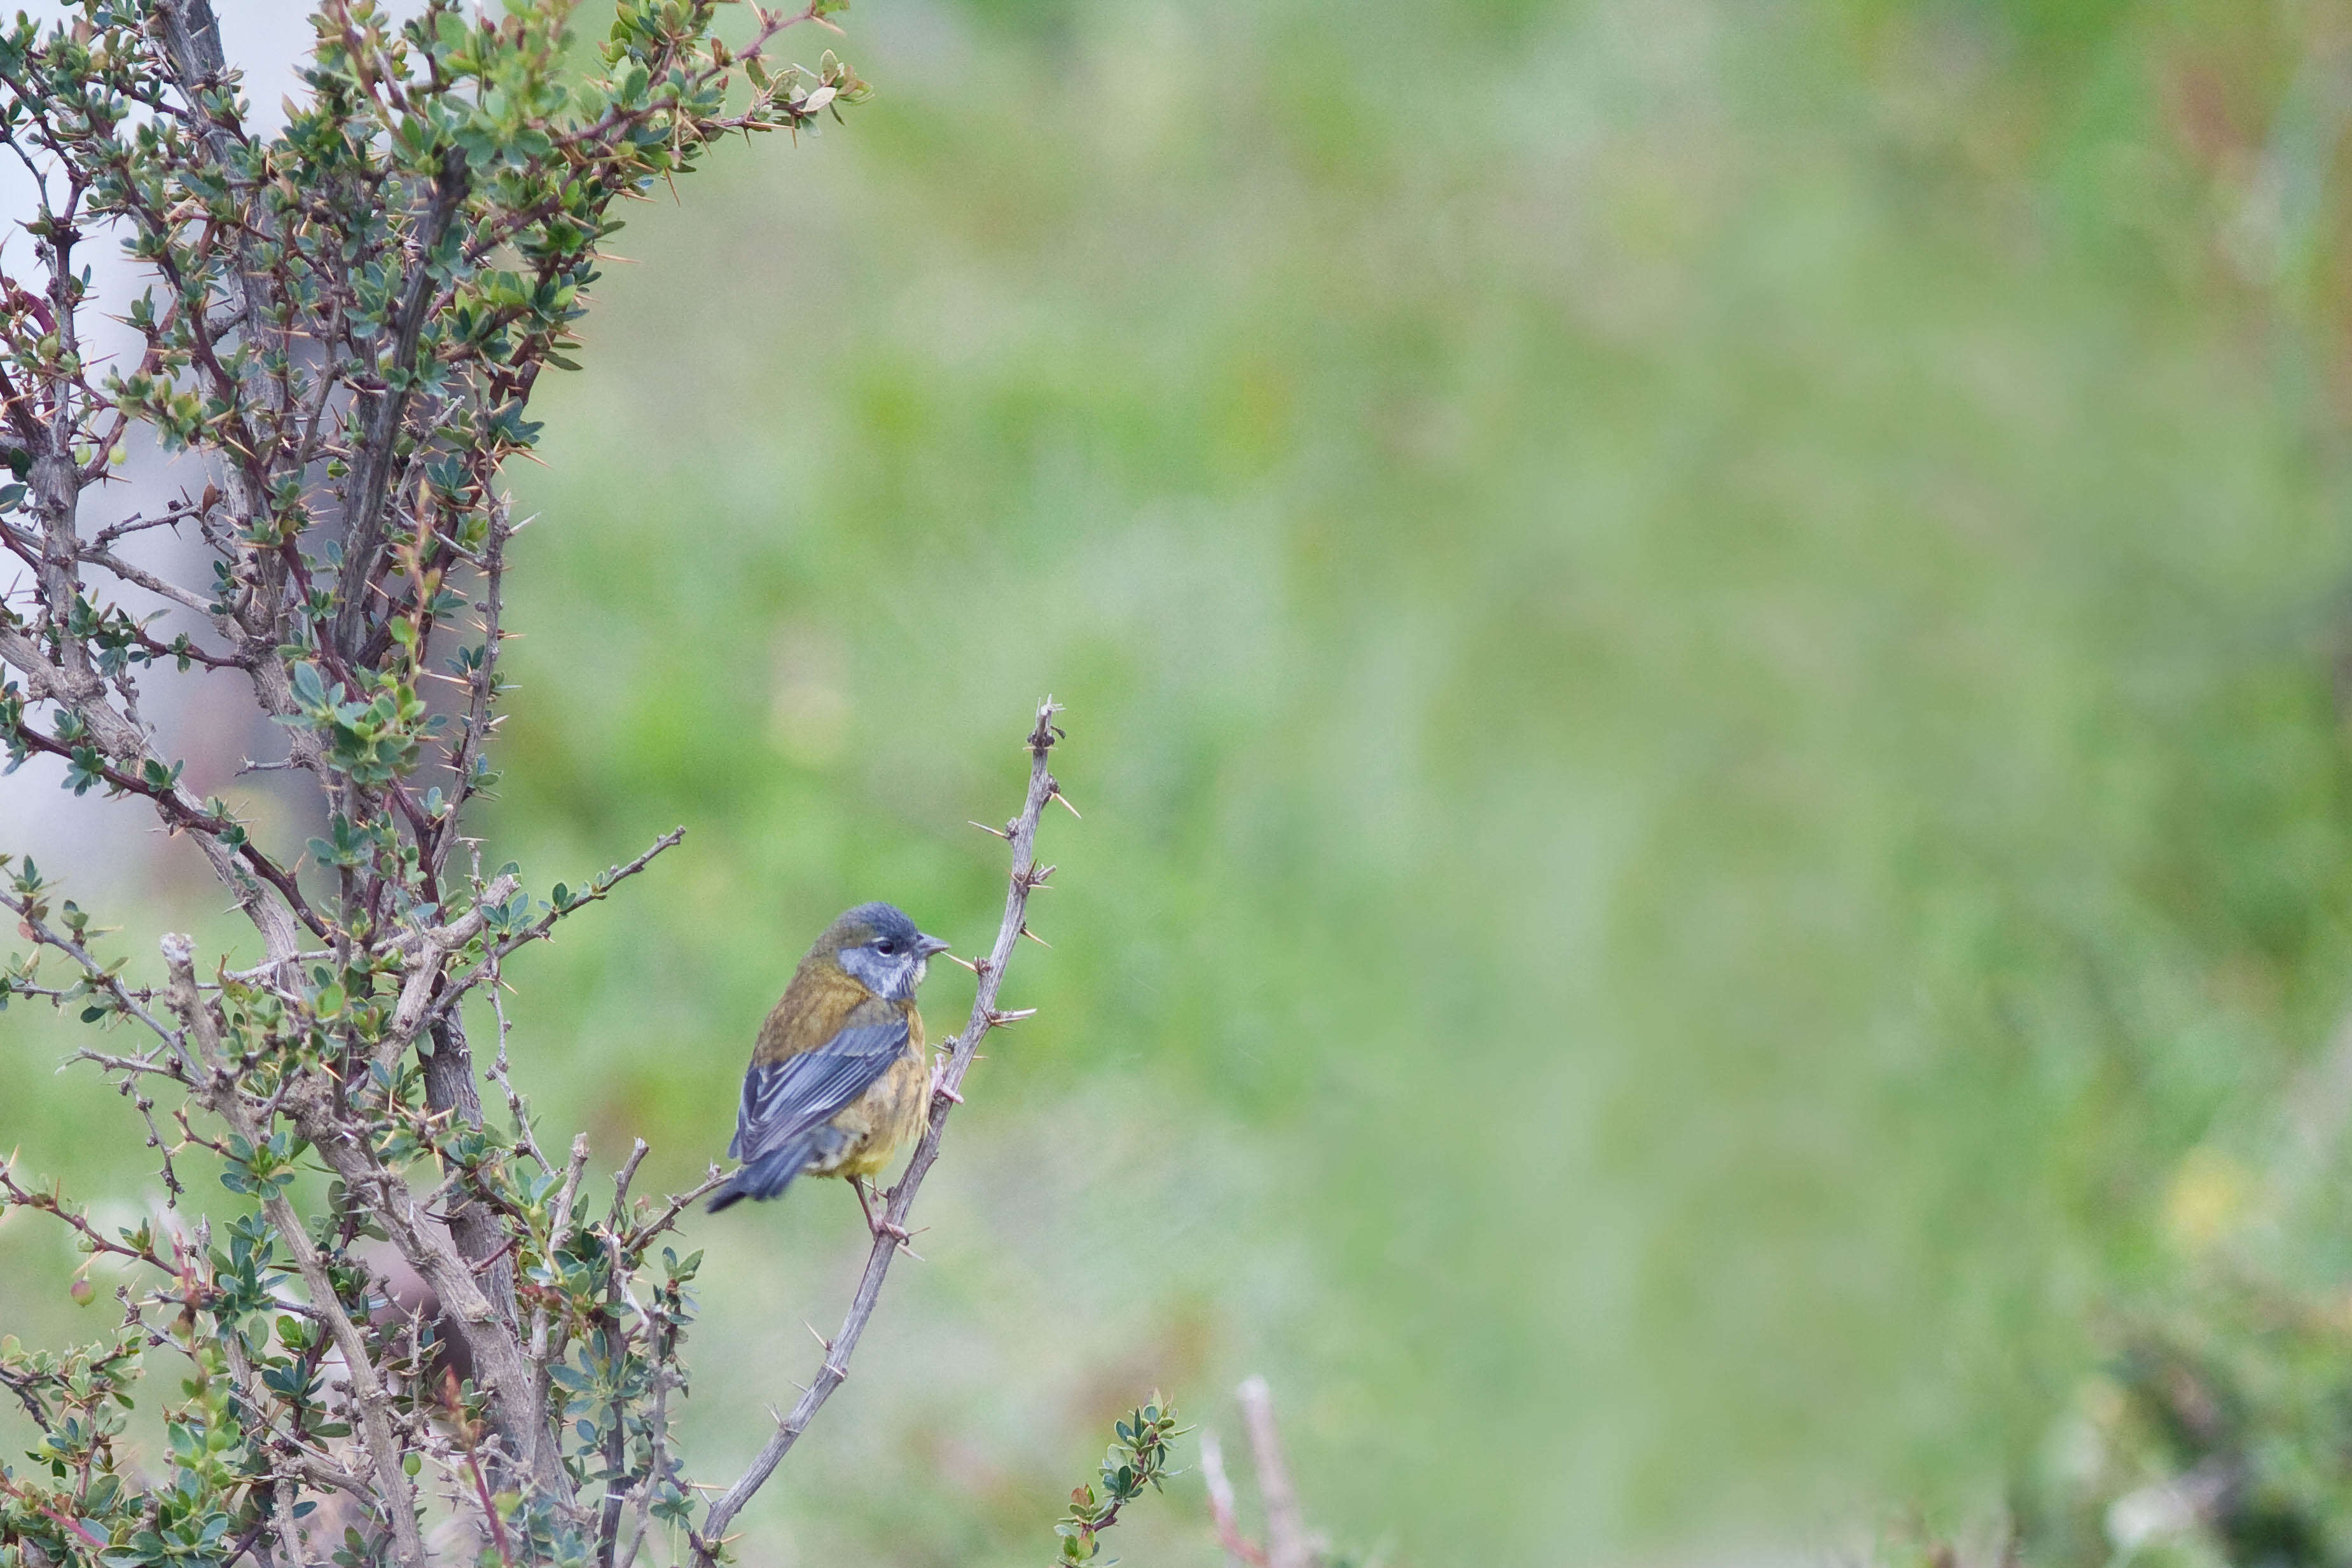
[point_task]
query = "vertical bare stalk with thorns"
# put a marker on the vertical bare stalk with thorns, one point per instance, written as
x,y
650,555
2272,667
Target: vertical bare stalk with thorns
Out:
x,y
1021,834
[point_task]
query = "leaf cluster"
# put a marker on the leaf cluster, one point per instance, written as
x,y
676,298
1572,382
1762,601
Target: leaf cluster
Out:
x,y
336,330
1136,1460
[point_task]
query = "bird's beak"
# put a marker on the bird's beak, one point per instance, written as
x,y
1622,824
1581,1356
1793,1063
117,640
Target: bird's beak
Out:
x,y
927,945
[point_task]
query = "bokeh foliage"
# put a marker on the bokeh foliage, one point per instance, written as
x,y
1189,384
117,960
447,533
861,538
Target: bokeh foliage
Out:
x,y
1707,640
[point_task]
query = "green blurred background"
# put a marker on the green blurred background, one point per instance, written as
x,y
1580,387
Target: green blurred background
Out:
x,y
1706,649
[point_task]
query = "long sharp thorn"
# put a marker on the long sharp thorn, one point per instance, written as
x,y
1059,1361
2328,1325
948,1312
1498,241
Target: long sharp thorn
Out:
x,y
965,962
984,828
1037,939
1064,800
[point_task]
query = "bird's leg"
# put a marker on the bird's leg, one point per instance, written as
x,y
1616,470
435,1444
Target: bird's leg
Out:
x,y
879,1223
939,1084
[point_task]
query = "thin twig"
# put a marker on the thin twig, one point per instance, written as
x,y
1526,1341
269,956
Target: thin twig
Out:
x,y
1238,1548
599,889
21,1389
834,1366
668,1214
395,1498
99,977
524,1137
1286,1541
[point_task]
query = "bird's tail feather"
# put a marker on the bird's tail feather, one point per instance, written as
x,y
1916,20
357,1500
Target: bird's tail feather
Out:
x,y
765,1176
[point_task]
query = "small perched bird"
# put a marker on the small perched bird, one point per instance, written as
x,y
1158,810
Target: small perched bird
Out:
x,y
839,1077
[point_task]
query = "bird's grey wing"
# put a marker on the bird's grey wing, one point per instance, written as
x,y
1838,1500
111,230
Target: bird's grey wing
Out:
x,y
782,1099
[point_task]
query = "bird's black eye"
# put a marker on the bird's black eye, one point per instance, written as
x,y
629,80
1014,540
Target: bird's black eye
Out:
x,y
886,948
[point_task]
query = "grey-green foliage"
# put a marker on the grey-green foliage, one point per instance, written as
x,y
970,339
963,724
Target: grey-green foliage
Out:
x,y
338,326
1138,1459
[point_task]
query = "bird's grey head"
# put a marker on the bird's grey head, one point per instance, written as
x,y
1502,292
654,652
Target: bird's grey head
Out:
x,y
880,949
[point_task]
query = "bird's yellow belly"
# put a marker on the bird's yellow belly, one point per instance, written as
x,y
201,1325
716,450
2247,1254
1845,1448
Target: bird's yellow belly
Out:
x,y
882,1118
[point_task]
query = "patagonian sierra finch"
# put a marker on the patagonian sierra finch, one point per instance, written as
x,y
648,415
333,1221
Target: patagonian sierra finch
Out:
x,y
840,1076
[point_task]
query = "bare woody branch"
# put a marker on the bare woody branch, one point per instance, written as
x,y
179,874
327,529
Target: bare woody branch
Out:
x,y
1239,1549
1021,833
1287,1544
100,977
395,1497
595,891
